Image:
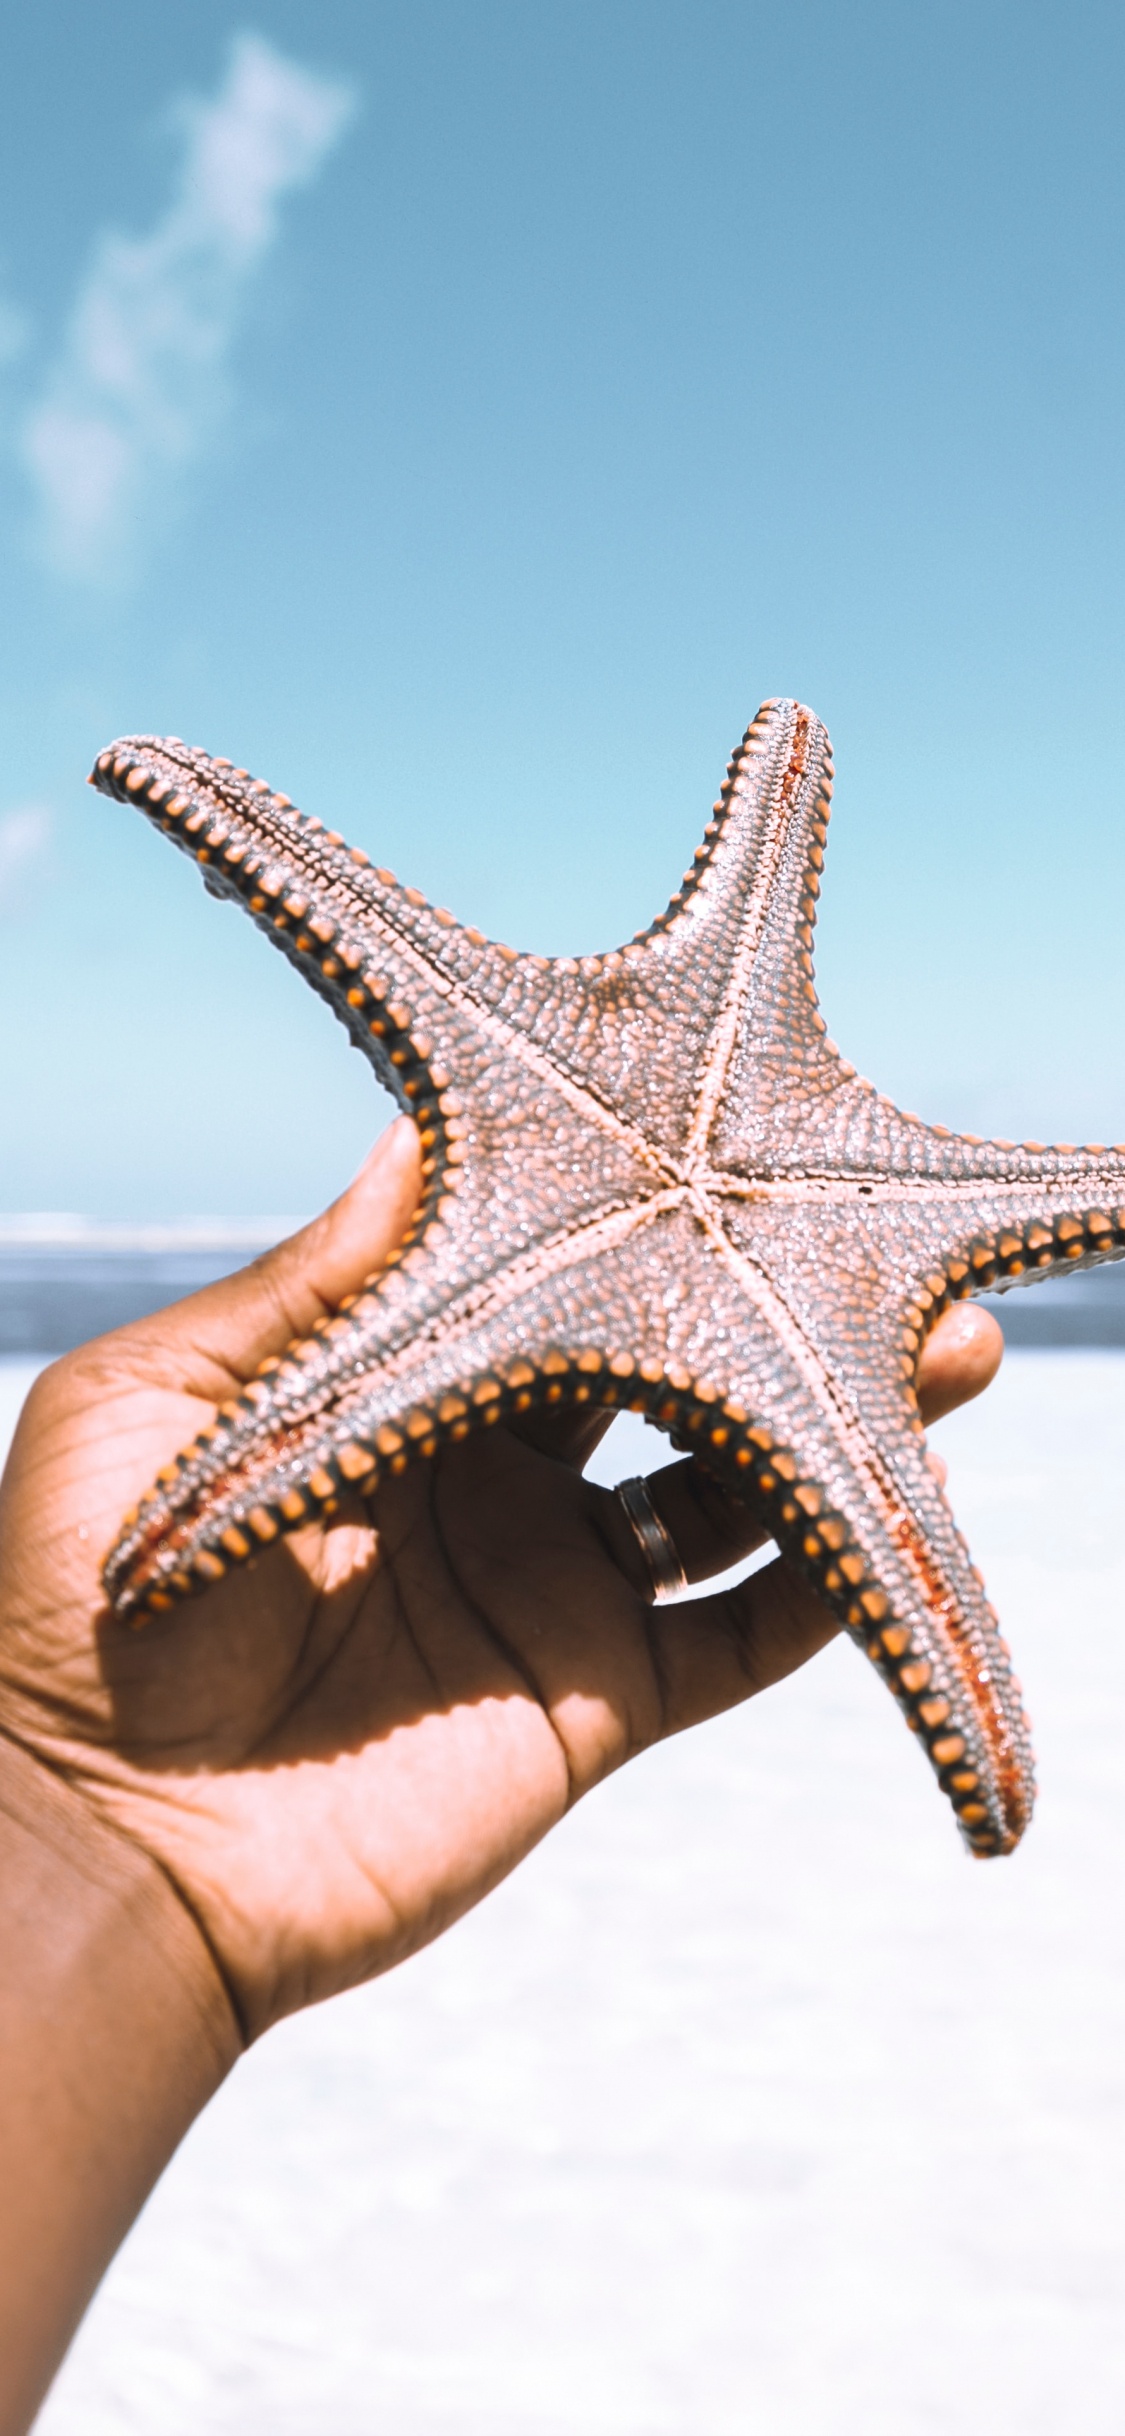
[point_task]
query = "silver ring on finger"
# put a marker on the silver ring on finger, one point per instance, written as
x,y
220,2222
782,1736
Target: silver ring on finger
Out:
x,y
655,1541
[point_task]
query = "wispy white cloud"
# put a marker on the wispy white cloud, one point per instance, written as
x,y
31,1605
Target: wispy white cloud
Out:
x,y
140,383
24,836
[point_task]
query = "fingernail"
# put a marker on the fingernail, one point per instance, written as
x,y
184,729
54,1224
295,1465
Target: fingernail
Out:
x,y
390,1144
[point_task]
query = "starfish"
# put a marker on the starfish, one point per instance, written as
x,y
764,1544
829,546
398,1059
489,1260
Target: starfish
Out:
x,y
650,1182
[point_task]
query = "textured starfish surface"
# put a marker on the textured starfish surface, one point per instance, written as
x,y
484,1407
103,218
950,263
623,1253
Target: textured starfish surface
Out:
x,y
650,1182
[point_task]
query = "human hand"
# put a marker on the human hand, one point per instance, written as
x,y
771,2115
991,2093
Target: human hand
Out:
x,y
335,1752
310,1770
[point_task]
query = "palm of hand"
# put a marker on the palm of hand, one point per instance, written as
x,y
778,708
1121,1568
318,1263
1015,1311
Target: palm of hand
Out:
x,y
336,1752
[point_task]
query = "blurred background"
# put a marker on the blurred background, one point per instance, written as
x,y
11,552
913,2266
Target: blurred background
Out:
x,y
462,413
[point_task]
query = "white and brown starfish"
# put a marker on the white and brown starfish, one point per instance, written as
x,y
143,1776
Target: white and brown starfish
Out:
x,y
650,1182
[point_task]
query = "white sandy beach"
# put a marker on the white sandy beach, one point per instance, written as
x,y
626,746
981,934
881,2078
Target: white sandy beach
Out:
x,y
749,2104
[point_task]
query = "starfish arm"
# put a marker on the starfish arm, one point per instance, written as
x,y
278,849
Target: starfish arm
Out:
x,y
963,1217
353,930
828,1122
380,957
862,1509
730,954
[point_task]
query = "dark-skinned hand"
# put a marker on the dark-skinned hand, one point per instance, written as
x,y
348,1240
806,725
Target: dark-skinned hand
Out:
x,y
338,1750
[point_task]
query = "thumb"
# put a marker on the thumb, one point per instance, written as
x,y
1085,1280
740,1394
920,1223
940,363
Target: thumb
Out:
x,y
216,1340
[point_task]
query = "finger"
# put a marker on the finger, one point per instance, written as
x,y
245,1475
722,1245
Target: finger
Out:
x,y
710,1528
960,1358
709,1654
220,1337
571,1433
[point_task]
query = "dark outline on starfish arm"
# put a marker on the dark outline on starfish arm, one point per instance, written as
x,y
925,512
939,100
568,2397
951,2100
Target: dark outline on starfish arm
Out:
x,y
650,1183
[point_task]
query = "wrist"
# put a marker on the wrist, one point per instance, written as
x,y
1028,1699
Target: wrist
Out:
x,y
115,2030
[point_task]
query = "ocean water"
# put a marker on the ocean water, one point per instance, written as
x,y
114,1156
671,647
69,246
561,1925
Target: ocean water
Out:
x,y
63,1279
749,2103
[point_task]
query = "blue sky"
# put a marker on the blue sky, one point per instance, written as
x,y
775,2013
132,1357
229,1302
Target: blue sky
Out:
x,y
462,414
